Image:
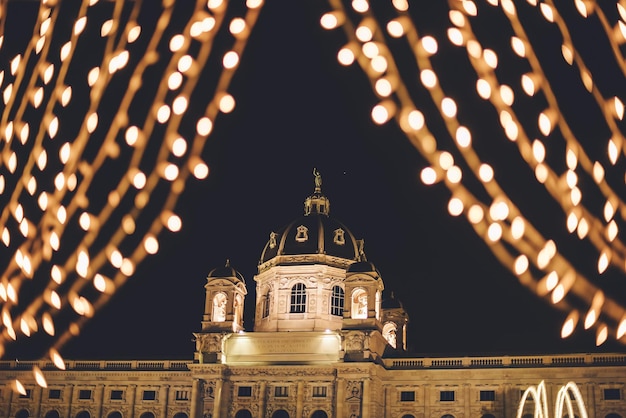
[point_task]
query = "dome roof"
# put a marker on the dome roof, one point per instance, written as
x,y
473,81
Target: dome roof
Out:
x,y
314,233
391,302
362,267
225,272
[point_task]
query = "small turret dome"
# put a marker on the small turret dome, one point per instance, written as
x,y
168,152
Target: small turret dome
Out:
x,y
226,272
391,302
362,267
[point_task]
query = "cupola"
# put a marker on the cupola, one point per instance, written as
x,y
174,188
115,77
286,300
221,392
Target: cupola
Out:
x,y
225,294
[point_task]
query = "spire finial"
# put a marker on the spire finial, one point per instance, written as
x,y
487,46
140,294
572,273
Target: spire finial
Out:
x,y
318,181
227,262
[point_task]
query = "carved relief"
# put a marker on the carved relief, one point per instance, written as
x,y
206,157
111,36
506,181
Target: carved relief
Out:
x,y
208,390
292,371
208,343
354,341
353,389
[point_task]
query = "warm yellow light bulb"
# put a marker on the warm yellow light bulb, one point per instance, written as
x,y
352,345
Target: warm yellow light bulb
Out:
x,y
455,206
518,46
429,44
230,60
483,88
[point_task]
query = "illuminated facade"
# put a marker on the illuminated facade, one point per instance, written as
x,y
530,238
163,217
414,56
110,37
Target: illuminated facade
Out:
x,y
325,344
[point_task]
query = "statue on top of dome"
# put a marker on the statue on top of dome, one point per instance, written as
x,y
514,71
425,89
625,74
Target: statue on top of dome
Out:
x,y
318,181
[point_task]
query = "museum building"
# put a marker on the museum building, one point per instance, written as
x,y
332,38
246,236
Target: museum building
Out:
x,y
325,344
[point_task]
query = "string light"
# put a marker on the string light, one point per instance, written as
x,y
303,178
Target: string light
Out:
x,y
44,211
513,238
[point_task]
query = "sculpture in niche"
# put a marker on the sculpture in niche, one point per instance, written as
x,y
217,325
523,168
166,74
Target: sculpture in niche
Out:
x,y
359,304
390,330
238,308
273,239
219,307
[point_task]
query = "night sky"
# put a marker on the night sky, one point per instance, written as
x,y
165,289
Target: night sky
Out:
x,y
297,109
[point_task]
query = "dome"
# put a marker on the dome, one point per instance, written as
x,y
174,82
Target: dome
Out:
x,y
225,272
391,302
362,267
316,232
312,234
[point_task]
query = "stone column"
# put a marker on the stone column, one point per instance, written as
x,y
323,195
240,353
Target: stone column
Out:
x,y
467,395
262,400
590,402
388,394
506,389
341,396
194,398
217,402
101,403
39,397
365,402
133,399
71,398
165,396
426,401
299,399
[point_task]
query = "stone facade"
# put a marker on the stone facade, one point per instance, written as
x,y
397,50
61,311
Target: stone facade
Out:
x,y
325,344
461,387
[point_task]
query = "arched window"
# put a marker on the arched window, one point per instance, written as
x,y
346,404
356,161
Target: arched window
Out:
x,y
22,413
281,413
613,415
298,298
336,301
488,416
408,416
147,415
219,307
181,415
447,416
266,305
319,414
52,414
390,330
359,304
83,414
115,414
243,413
